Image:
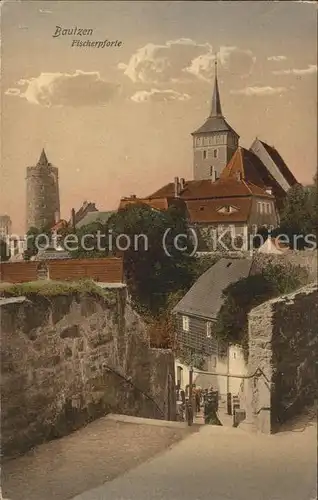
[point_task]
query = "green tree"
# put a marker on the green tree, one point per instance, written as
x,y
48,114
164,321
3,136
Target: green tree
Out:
x,y
247,293
90,241
299,215
154,265
37,238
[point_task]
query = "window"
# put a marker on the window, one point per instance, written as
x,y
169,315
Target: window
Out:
x,y
260,207
215,153
209,329
185,323
228,209
205,155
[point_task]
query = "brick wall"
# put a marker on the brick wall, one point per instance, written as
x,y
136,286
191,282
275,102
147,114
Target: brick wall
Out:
x,y
108,270
18,272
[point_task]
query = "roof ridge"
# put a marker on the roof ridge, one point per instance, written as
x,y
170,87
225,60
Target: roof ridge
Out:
x,y
259,187
245,183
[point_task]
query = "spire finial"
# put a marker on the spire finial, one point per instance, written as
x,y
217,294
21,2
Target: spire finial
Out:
x,y
216,103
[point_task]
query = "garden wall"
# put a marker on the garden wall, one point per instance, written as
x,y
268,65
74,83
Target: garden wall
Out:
x,y
282,348
68,359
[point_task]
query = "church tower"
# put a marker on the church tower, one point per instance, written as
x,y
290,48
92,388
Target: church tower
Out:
x,y
215,142
43,199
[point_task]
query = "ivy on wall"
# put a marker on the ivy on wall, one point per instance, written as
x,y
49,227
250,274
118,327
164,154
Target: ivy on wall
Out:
x,y
247,293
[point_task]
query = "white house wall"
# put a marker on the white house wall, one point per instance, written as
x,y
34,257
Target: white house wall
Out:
x,y
233,364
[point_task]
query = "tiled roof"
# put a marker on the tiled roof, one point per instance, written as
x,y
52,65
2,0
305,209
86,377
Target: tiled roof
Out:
x,y
158,203
162,203
204,211
86,208
252,169
95,216
279,162
245,164
61,223
204,299
205,189
214,124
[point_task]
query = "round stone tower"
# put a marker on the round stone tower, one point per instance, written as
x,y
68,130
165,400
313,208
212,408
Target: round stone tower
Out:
x,y
43,199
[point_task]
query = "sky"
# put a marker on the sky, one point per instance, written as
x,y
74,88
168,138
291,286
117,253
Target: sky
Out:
x,y
117,120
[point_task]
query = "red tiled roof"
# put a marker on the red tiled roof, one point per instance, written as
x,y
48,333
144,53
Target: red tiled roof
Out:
x,y
61,223
162,203
252,169
204,211
279,162
205,189
245,164
159,203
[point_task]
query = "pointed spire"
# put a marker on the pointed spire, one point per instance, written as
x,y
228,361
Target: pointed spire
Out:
x,y
43,158
216,102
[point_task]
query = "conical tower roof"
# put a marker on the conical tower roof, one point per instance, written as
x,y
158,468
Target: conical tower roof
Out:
x,y
216,109
43,158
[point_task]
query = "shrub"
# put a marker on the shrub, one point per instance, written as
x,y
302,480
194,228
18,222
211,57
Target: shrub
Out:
x,y
247,293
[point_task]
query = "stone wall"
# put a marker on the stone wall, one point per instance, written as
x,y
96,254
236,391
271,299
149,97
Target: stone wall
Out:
x,y
303,258
43,199
69,359
282,353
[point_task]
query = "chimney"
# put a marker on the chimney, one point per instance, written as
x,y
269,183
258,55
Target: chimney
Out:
x,y
73,222
176,187
182,184
269,190
213,174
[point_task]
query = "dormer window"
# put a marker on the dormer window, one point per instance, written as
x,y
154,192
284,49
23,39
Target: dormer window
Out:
x,y
228,209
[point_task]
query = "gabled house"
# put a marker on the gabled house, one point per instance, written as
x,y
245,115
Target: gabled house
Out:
x,y
196,314
86,208
232,204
